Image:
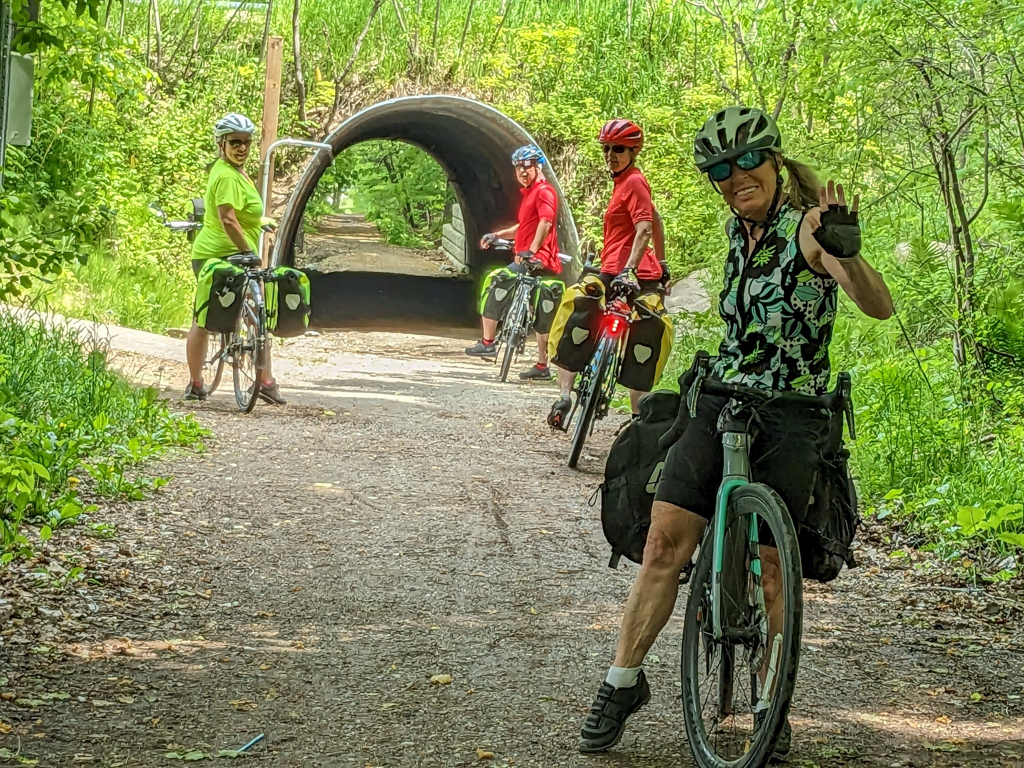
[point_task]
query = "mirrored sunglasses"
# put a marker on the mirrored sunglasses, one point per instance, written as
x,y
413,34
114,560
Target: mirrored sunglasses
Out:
x,y
748,161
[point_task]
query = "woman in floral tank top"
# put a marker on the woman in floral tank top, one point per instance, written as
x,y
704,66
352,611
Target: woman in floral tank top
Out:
x,y
793,243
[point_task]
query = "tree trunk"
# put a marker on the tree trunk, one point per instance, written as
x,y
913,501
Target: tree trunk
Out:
x,y
300,83
339,80
156,31
266,30
465,27
437,18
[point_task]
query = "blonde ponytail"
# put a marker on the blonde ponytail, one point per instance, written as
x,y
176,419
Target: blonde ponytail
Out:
x,y
801,184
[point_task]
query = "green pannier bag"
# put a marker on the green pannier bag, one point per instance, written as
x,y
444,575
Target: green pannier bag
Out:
x,y
219,289
288,305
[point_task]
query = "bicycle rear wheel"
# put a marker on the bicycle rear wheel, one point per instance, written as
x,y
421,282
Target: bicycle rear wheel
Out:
x,y
590,397
213,368
247,359
753,666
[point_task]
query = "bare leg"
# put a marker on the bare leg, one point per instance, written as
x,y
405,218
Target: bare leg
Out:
x,y
195,352
671,542
490,328
565,381
542,349
634,399
771,582
268,372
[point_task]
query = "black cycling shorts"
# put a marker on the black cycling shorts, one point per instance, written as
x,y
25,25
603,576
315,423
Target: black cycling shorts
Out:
x,y
786,454
197,264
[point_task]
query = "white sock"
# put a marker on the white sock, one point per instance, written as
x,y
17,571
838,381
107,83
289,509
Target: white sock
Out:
x,y
622,677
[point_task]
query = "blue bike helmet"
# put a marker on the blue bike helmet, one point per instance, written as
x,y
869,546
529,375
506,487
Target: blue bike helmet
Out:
x,y
527,153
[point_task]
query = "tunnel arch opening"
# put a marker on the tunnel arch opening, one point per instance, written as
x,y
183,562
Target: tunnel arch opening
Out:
x,y
472,142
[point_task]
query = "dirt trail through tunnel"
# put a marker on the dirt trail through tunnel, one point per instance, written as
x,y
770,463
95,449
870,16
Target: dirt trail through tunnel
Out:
x,y
349,243
409,517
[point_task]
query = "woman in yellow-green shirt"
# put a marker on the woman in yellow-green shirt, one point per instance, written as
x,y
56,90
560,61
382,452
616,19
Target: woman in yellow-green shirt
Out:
x,y
231,224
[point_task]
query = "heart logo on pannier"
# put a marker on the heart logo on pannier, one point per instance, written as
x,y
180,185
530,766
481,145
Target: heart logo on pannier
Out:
x,y
579,335
547,305
293,300
642,353
500,293
227,299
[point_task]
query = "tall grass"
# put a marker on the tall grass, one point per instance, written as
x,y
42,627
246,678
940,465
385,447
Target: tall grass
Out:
x,y
67,423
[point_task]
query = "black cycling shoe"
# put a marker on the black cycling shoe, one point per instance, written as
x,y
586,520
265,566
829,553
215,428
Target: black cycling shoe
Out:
x,y
192,392
482,350
785,740
536,373
603,727
559,412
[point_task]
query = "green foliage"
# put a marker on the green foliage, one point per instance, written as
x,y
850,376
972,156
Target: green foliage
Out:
x,y
916,106
66,423
395,185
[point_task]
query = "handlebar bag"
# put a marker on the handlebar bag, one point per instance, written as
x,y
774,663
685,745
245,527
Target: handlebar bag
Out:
x,y
219,288
288,304
577,321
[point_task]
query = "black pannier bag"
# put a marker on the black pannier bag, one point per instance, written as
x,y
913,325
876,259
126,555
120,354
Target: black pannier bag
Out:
x,y
831,521
631,476
634,466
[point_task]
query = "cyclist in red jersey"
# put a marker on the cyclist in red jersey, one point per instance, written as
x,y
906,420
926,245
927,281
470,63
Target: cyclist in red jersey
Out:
x,y
631,223
535,241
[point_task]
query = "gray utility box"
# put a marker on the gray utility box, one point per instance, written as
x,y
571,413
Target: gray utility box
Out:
x,y
19,104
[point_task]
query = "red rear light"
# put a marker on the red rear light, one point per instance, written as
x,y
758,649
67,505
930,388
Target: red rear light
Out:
x,y
614,325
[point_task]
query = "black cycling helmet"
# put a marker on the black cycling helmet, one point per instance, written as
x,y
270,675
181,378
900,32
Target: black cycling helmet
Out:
x,y
733,131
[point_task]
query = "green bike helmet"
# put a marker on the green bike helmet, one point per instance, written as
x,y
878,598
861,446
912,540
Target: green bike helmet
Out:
x,y
733,131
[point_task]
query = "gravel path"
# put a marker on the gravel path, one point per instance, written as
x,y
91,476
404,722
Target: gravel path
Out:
x,y
408,517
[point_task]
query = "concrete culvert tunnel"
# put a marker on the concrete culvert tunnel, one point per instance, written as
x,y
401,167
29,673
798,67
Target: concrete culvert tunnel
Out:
x,y
472,143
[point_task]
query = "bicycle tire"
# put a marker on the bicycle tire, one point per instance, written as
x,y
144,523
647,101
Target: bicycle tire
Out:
x,y
250,337
591,399
213,368
513,333
753,750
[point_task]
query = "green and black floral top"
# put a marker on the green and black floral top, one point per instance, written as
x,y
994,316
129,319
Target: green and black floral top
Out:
x,y
778,312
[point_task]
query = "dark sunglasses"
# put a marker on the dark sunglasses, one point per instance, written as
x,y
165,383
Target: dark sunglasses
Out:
x,y
618,149
236,143
748,161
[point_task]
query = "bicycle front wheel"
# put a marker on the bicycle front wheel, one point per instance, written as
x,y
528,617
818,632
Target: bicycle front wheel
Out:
x,y
590,397
247,357
737,682
514,333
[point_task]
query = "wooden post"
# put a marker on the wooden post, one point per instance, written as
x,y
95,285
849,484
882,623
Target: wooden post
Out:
x,y
271,106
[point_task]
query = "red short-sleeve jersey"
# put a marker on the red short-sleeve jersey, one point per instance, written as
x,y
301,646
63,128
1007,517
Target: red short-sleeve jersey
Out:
x,y
539,203
631,203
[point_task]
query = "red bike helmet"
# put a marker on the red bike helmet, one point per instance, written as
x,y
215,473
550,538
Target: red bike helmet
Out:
x,y
624,132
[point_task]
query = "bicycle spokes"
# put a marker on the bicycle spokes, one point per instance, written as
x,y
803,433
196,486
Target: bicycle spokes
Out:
x,y
733,673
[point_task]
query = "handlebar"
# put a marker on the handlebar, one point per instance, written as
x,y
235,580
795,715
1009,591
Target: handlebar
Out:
x,y
245,260
839,399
